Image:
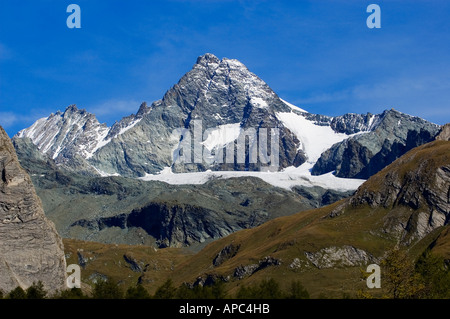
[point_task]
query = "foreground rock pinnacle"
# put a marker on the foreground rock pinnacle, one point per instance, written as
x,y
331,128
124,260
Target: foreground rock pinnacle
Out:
x,y
30,248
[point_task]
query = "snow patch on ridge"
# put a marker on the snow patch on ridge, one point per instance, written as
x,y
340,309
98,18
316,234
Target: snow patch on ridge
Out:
x,y
258,102
221,135
131,125
294,107
104,174
101,141
314,139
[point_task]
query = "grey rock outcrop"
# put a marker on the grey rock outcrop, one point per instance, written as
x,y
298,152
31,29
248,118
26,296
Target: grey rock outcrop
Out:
x,y
241,272
354,123
133,263
225,254
444,134
345,256
30,248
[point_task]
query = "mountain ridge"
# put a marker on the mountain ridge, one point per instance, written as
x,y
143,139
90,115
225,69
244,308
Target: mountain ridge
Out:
x,y
31,250
229,101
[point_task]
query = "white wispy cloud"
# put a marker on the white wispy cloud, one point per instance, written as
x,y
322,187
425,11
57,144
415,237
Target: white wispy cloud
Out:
x,y
8,119
11,119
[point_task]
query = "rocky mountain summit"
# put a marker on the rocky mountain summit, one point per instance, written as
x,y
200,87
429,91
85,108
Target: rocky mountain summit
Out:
x,y
202,121
30,248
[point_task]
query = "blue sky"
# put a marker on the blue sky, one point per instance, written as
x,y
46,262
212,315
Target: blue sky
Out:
x,y
319,55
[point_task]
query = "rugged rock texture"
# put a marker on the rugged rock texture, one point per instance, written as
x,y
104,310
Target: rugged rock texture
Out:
x,y
30,248
175,215
226,253
346,256
244,271
361,156
354,123
444,134
133,263
415,189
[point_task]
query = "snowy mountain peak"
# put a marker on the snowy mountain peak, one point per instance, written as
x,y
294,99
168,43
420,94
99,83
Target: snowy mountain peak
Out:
x,y
226,100
143,109
61,131
222,85
73,109
207,58
76,132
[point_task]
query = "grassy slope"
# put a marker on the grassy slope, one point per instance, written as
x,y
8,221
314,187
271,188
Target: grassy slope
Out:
x,y
287,238
108,260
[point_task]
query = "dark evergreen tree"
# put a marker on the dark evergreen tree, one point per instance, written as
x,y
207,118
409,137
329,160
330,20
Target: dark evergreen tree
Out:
x,y
267,289
106,289
297,291
218,290
74,293
137,292
435,274
166,290
36,291
17,293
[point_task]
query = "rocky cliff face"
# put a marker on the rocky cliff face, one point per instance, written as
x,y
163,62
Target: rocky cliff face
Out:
x,y
444,134
415,189
391,135
118,210
30,248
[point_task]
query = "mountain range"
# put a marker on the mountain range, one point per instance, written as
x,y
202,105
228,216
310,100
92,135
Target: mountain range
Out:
x,y
227,102
125,183
236,185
